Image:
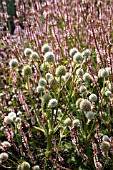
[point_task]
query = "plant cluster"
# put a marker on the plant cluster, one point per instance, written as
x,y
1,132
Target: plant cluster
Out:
x,y
57,87
65,103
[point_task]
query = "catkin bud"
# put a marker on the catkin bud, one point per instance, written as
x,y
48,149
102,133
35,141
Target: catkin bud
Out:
x,y
73,51
36,167
85,105
67,122
78,102
34,55
3,156
49,57
87,77
105,146
8,120
45,48
108,93
25,166
90,115
105,138
42,82
76,122
61,71
27,71
82,89
45,98
79,72
40,89
93,97
86,53
12,115
6,144
48,76
104,73
13,63
27,52
52,103
77,56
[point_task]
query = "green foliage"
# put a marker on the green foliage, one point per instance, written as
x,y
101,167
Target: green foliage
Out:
x,y
51,128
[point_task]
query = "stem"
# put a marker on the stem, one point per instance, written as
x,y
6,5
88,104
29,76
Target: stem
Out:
x,y
6,167
45,164
36,67
28,85
58,100
19,76
57,127
13,162
86,140
48,151
32,102
105,162
52,124
48,142
58,150
50,128
13,156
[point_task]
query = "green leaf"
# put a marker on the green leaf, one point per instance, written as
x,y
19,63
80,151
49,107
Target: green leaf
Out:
x,y
38,128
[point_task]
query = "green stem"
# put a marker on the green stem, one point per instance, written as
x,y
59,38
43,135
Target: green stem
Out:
x,y
32,102
57,127
45,164
85,131
86,140
58,100
50,127
48,143
13,156
12,162
58,150
18,76
105,162
28,85
52,124
48,150
37,68
5,167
